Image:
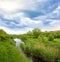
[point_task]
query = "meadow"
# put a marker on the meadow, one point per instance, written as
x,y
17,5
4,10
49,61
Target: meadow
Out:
x,y
40,46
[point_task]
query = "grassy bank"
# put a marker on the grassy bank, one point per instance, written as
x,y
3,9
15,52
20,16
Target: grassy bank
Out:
x,y
8,50
45,45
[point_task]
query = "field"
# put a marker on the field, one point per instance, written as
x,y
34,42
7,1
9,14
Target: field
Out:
x,y
40,46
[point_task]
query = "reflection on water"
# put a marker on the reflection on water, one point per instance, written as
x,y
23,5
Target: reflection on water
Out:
x,y
18,42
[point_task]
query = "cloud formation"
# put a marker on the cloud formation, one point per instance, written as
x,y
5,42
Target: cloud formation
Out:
x,y
25,15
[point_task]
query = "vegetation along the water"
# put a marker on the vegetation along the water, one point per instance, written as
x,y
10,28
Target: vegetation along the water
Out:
x,y
41,46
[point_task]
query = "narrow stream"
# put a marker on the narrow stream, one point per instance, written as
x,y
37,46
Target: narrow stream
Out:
x,y
18,43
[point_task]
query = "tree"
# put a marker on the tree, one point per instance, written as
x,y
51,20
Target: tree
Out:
x,y
36,32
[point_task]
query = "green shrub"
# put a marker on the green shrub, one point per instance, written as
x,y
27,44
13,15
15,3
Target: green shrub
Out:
x,y
51,37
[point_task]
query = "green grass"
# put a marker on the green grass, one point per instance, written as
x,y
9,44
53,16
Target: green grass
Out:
x,y
9,53
8,50
47,50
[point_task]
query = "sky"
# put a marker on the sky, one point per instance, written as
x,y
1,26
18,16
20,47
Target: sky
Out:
x,y
21,16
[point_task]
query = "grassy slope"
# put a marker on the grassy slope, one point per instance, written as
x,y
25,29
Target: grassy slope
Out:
x,y
8,51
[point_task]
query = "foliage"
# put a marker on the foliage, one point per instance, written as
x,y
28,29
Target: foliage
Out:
x,y
51,37
43,44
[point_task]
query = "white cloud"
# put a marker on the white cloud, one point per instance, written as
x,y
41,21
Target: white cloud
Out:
x,y
10,6
22,22
55,14
21,18
15,31
51,20
53,25
57,10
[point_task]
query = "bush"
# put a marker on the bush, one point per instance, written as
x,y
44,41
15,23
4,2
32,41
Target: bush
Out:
x,y
50,37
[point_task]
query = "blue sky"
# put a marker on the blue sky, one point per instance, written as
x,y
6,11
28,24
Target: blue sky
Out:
x,y
21,16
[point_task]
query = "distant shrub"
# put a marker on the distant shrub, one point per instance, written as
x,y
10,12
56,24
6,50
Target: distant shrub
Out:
x,y
50,37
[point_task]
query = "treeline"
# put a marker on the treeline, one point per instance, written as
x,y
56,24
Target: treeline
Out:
x,y
36,33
